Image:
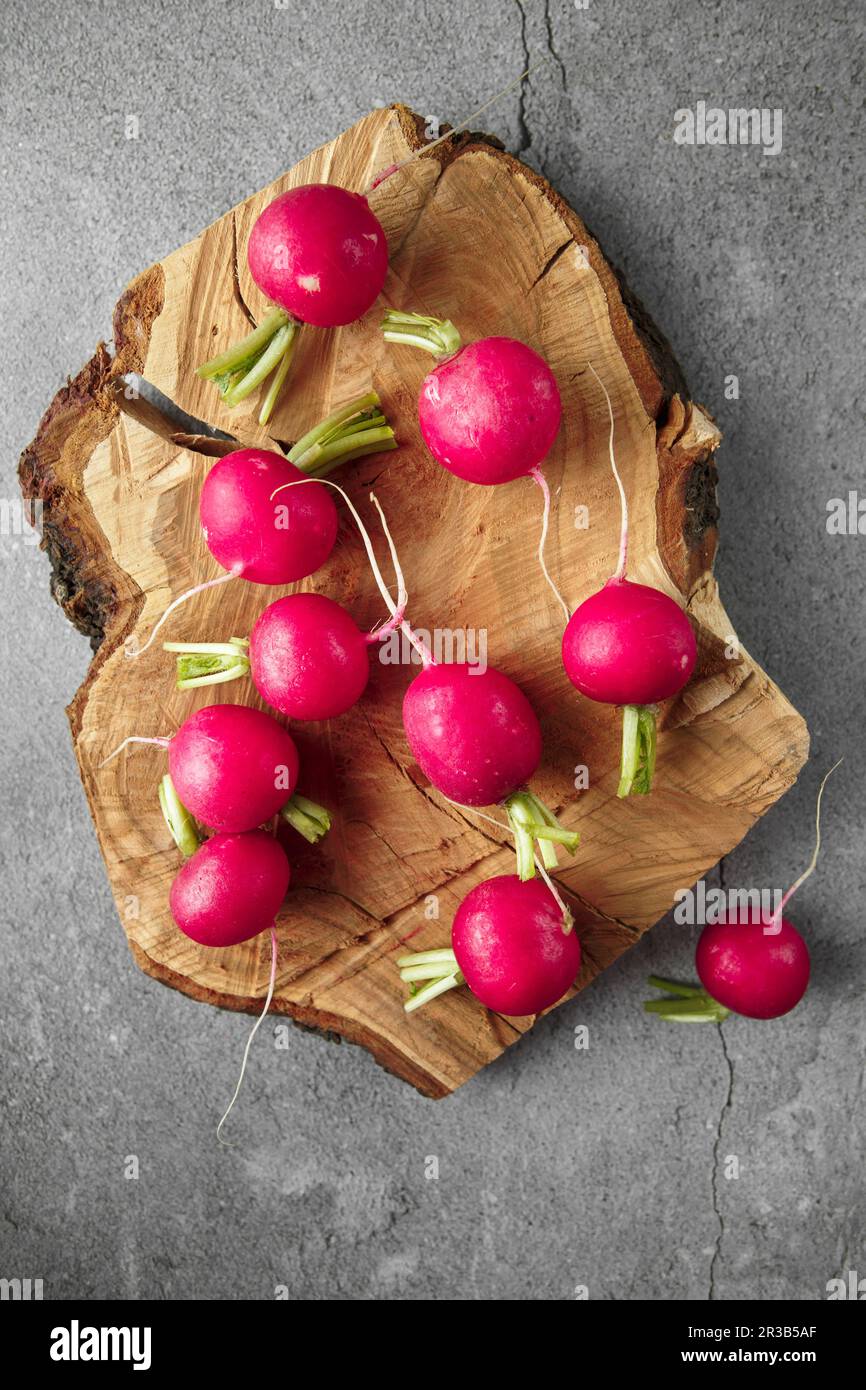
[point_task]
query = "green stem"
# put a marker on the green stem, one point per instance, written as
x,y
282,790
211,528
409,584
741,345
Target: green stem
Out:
x,y
209,663
183,828
692,1004
238,371
307,817
263,366
638,759
432,991
438,336
532,823
350,432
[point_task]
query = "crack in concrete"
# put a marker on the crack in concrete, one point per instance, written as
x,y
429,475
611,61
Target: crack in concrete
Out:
x,y
548,25
522,125
715,1174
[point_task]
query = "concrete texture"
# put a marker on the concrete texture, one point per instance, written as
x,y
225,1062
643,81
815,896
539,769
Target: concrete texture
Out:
x,y
557,1168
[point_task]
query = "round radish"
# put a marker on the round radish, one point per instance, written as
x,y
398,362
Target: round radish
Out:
x,y
265,541
751,962
490,411
233,767
630,645
320,256
254,536
231,889
319,253
753,965
472,732
509,945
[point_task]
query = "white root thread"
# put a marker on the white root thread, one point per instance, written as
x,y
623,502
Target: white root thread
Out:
x,y
176,603
256,1026
623,533
397,609
539,478
777,915
134,738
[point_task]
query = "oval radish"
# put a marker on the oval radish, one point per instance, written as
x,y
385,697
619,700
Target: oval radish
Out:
x,y
508,944
231,889
753,965
630,645
320,255
255,537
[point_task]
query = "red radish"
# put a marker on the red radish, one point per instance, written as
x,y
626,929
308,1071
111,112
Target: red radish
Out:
x,y
489,412
509,946
267,542
233,768
631,645
231,889
753,965
473,733
753,962
320,255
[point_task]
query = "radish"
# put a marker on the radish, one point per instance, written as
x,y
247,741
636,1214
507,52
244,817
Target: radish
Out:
x,y
489,412
266,543
631,645
753,963
320,256
508,944
228,892
231,889
233,768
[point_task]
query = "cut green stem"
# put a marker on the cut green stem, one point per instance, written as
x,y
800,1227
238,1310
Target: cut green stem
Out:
x,y
209,663
183,828
238,371
439,967
437,336
533,823
350,432
692,1004
307,817
638,760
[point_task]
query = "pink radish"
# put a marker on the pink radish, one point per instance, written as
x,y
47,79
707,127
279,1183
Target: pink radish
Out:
x,y
266,542
631,645
508,944
231,889
228,892
232,768
320,256
489,412
753,962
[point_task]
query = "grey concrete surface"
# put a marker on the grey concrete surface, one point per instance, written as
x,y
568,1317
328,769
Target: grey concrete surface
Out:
x,y
557,1168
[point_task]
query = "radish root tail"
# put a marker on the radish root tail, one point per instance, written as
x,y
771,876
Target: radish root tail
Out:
x,y
256,1026
538,477
810,868
133,651
623,534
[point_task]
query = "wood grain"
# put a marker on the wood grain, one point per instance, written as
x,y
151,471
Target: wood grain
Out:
x,y
475,236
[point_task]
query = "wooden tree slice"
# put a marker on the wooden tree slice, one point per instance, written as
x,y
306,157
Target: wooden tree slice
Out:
x,y
477,237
